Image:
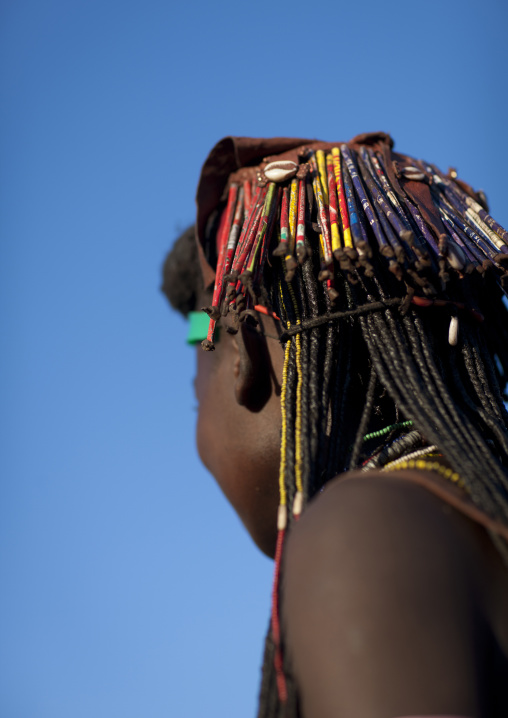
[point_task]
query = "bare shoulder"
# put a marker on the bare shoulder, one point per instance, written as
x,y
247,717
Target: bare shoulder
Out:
x,y
378,525
383,578
366,511
360,510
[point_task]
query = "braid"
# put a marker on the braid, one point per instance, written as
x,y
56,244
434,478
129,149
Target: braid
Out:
x,y
364,421
325,394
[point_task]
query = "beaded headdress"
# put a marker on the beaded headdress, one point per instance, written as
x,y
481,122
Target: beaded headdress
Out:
x,y
355,201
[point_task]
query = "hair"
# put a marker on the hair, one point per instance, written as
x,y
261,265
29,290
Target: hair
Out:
x,y
373,370
181,275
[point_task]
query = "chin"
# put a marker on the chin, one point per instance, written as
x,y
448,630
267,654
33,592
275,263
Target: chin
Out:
x,y
265,539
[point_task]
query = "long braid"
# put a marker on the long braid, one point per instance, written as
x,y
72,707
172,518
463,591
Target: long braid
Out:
x,y
340,403
364,421
491,381
436,428
325,392
327,363
477,363
498,430
483,453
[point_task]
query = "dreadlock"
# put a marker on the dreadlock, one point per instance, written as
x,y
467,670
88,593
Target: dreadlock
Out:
x,y
388,279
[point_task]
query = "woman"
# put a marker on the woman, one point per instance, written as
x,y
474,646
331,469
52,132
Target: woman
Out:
x,y
352,411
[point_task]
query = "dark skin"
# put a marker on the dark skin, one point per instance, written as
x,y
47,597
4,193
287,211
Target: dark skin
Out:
x,y
239,426
394,603
404,601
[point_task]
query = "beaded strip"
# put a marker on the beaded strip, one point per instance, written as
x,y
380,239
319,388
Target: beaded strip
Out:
x,y
444,471
395,450
413,455
298,500
359,214
387,429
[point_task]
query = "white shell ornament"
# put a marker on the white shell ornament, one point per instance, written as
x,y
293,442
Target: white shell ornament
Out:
x,y
411,173
456,256
453,332
280,171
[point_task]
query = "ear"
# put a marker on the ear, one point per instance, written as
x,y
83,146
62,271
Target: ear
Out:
x,y
252,368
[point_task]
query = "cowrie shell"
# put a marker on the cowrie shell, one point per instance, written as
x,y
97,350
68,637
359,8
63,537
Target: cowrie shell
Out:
x,y
280,171
412,173
456,256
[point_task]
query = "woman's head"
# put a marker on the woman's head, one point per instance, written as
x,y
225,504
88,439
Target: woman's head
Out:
x,y
381,278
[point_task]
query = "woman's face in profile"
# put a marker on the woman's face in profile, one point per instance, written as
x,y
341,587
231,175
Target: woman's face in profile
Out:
x,y
239,446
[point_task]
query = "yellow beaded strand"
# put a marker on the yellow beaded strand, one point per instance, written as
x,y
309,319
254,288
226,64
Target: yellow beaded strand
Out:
x,y
282,514
293,216
421,464
297,506
298,500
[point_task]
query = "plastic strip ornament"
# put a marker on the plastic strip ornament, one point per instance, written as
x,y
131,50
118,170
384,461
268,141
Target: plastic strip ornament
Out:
x,y
342,205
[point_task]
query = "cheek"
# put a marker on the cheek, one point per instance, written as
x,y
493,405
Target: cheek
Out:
x,y
201,383
246,471
208,431
218,439
212,413
202,377
239,448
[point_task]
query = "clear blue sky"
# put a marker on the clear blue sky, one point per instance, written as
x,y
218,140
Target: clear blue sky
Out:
x,y
128,586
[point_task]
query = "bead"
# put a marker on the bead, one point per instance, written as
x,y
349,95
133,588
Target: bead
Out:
x,y
282,517
298,504
453,332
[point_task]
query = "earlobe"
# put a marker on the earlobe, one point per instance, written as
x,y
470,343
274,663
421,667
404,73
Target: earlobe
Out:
x,y
252,369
